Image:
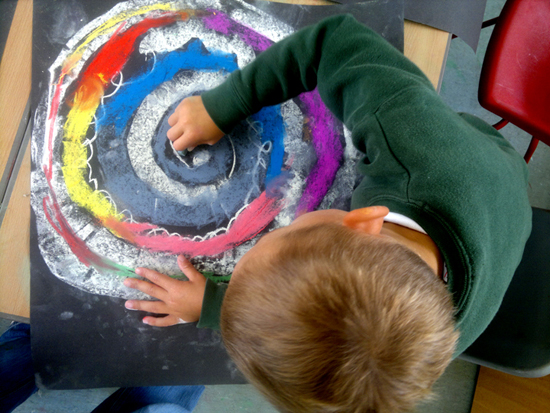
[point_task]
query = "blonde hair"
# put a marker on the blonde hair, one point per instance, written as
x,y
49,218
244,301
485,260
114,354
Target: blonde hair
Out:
x,y
336,321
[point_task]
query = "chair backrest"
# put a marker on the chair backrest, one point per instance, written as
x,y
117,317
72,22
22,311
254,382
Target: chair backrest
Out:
x,y
515,77
517,341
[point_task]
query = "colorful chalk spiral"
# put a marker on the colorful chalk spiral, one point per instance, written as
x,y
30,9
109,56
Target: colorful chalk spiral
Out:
x,y
109,191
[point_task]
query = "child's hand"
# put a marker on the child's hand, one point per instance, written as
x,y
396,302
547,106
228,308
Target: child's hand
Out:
x,y
191,125
181,300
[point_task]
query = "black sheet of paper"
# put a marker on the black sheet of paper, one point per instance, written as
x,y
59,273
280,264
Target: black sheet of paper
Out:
x,y
460,17
384,17
86,340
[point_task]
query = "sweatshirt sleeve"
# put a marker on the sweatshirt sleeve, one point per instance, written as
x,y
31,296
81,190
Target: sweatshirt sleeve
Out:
x,y
212,305
329,55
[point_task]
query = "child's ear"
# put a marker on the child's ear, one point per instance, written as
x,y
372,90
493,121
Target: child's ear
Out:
x,y
368,220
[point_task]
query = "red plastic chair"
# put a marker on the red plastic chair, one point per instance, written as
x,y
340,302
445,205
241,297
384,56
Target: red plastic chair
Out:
x,y
515,77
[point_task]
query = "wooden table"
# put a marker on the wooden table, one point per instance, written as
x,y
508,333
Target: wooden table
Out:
x,y
425,46
15,87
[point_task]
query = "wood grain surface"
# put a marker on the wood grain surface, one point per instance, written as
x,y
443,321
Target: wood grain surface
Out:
x,y
427,47
498,392
15,77
14,247
15,87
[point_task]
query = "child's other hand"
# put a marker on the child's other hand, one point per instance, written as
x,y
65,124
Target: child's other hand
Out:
x,y
180,300
191,125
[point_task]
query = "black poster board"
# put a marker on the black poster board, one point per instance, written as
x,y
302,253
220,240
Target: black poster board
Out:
x,y
82,339
462,18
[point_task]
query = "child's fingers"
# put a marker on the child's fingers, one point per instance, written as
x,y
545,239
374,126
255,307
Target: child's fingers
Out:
x,y
164,282
180,144
187,268
167,321
175,132
173,119
146,287
157,307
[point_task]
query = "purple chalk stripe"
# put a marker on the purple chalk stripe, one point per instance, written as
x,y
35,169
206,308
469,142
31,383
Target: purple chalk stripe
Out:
x,y
328,148
223,24
325,140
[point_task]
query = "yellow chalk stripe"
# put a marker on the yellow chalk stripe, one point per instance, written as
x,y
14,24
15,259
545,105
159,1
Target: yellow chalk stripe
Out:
x,y
108,25
68,65
89,199
75,169
78,122
75,155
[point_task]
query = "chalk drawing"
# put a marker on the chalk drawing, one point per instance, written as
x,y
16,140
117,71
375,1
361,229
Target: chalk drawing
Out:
x,y
108,190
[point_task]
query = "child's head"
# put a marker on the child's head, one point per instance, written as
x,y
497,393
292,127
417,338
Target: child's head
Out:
x,y
324,318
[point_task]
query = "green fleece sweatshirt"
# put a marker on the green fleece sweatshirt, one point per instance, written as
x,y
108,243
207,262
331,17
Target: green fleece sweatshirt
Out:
x,y
453,174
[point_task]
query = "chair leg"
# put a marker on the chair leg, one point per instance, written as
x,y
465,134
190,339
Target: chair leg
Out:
x,y
531,149
489,22
500,124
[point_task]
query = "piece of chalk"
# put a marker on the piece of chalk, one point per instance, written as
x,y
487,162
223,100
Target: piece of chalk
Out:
x,y
183,153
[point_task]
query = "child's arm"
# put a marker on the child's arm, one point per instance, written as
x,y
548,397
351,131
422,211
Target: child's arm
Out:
x,y
180,300
354,69
324,55
352,66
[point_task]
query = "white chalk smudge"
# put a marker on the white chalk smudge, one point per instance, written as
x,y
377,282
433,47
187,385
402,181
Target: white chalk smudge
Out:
x,y
66,315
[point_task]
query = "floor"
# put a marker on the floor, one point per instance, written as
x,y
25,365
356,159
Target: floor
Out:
x,y
454,391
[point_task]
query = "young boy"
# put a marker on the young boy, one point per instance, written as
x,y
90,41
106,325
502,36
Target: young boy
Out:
x,y
360,311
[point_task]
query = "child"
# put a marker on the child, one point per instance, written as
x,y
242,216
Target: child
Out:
x,y
353,311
